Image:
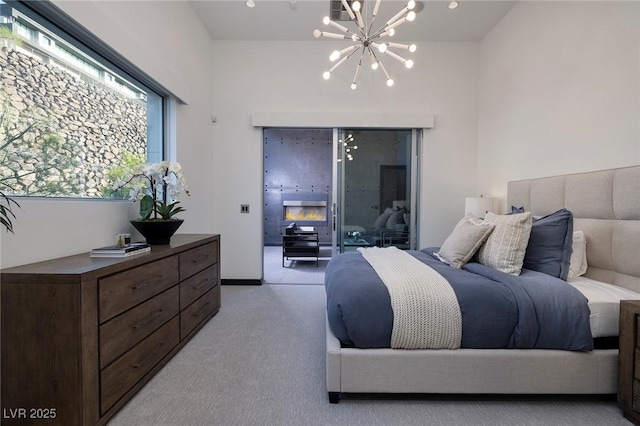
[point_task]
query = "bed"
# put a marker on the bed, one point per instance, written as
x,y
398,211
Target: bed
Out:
x,y
606,208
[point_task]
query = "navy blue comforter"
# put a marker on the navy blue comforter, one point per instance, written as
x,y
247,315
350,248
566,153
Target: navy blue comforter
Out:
x,y
533,310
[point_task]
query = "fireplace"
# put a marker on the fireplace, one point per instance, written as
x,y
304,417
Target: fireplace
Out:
x,y
304,209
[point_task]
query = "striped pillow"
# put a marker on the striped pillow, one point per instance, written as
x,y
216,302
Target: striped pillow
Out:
x,y
506,246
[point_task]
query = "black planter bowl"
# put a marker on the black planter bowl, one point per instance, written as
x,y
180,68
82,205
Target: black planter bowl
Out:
x,y
157,232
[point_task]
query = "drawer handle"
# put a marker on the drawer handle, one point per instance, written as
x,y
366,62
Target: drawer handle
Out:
x,y
148,356
148,319
197,313
200,259
201,284
146,283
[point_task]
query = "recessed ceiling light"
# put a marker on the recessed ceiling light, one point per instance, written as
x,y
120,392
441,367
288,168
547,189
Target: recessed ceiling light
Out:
x,y
250,4
453,5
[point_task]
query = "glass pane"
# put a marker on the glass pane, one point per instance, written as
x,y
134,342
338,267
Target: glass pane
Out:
x,y
375,188
69,121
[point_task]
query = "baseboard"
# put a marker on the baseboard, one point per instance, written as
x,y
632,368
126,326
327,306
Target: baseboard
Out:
x,y
241,282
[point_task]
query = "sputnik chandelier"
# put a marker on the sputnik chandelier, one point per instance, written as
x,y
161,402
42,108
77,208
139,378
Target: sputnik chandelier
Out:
x,y
368,41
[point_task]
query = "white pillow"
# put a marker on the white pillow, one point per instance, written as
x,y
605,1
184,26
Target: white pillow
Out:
x,y
578,263
506,246
465,240
381,221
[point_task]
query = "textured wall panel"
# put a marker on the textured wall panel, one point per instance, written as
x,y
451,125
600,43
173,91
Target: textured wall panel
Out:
x,y
295,161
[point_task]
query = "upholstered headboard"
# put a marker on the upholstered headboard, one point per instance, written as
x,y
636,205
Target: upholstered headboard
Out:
x,y
605,206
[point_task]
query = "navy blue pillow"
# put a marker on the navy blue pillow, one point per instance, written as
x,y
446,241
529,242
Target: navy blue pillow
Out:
x,y
550,244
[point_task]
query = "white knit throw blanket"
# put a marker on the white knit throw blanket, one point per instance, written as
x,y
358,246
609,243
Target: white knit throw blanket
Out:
x,y
426,313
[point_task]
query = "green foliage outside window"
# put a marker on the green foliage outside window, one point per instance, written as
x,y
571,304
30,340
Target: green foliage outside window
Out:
x,y
129,162
33,160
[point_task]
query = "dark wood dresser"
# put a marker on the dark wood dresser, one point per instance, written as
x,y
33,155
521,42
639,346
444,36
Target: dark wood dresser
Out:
x,y
81,335
629,360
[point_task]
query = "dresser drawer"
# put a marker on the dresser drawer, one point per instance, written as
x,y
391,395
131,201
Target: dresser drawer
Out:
x,y
635,398
127,370
127,329
198,311
197,259
121,291
197,285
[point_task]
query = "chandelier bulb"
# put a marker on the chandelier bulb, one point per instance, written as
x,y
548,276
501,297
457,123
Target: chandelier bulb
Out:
x,y
411,16
317,33
382,47
326,75
408,63
326,20
356,6
374,66
389,82
411,5
391,32
412,48
334,56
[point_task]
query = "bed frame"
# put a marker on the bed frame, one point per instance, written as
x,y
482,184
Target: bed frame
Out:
x,y
606,207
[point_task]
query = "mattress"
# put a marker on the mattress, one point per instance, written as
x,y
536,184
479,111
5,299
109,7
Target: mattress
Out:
x,y
604,303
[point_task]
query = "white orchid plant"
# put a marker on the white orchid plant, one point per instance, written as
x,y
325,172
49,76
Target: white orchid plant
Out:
x,y
157,186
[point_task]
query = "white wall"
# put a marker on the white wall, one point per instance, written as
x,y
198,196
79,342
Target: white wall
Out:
x,y
559,91
287,77
172,46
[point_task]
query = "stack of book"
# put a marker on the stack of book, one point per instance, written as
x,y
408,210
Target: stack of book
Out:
x,y
115,251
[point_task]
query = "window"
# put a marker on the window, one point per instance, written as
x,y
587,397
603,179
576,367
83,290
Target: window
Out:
x,y
72,113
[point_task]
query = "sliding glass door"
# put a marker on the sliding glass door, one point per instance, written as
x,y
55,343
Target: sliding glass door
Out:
x,y
375,188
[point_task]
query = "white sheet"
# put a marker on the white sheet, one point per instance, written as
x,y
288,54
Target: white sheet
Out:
x,y
604,302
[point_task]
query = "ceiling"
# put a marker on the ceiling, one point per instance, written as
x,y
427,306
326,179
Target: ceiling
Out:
x,y
295,20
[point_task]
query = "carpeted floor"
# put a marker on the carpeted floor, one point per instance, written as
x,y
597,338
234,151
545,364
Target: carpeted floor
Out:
x,y
295,270
260,361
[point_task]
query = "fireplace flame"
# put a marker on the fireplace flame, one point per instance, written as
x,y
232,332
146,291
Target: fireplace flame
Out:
x,y
304,213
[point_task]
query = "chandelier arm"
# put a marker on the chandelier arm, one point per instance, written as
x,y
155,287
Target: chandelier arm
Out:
x,y
332,35
385,31
384,70
348,9
338,26
395,24
340,62
398,45
398,15
395,56
355,77
359,22
349,49
373,15
383,34
374,58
